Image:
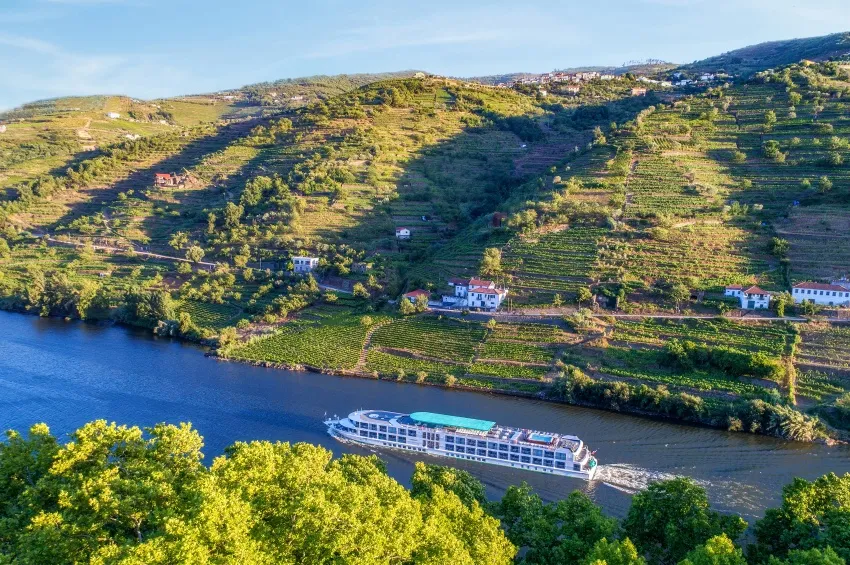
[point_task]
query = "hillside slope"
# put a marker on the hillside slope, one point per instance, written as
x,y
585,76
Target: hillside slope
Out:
x,y
751,59
636,204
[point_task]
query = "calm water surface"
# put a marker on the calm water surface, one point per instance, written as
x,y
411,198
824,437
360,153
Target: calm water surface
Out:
x,y
68,373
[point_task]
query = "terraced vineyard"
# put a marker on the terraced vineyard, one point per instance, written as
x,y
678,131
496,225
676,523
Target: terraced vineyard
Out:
x,y
559,262
441,346
327,338
633,350
712,253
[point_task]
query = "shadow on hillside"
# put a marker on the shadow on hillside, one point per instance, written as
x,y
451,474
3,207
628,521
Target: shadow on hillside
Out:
x,y
448,192
141,179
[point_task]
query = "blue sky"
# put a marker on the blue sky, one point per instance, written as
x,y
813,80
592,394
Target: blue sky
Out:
x,y
155,48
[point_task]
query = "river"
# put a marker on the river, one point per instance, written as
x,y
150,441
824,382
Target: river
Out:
x,y
68,373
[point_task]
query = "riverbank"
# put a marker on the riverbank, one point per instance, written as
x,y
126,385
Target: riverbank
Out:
x,y
68,373
752,416
738,415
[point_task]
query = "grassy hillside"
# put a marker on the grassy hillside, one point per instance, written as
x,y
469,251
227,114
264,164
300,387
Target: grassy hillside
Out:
x,y
651,203
755,58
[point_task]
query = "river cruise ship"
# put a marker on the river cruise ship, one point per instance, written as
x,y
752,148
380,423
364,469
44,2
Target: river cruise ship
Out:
x,y
467,438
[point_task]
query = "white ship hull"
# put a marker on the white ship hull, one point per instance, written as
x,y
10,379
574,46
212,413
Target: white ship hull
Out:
x,y
582,464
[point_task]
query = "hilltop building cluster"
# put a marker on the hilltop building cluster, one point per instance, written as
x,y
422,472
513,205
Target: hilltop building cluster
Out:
x,y
557,76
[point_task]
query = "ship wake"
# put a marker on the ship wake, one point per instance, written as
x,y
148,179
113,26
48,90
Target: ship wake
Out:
x,y
629,478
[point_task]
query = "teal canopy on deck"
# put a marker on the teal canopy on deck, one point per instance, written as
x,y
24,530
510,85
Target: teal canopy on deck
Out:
x,y
432,419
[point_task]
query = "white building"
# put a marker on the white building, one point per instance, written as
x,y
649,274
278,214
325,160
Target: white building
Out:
x,y
752,298
304,264
113,115
402,233
820,293
2,128
843,282
475,293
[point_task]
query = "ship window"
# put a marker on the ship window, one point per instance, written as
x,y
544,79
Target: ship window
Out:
x,y
482,452
561,456
461,441
547,463
373,427
373,434
382,428
526,451
364,433
514,449
503,455
492,445
470,450
450,448
492,454
537,461
514,457
548,454
503,447
392,438
525,459
392,430
482,443
576,467
382,436
356,424
402,439
559,464
537,453
450,439
411,433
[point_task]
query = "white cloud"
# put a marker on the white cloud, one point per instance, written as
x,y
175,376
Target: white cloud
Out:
x,y
43,69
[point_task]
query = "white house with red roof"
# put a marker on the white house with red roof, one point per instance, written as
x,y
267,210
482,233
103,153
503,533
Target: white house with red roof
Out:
x,y
476,293
402,233
751,298
821,293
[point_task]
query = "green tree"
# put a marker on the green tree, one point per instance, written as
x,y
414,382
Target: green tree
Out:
x,y
421,303
232,215
809,557
491,262
195,254
406,307
769,120
824,184
5,251
670,517
87,296
813,515
615,552
557,300
779,247
781,302
679,293
359,291
426,477
718,550
583,295
179,240
563,532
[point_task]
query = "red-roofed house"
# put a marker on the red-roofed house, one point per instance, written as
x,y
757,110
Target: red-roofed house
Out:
x,y
820,293
414,294
755,298
402,233
475,293
168,179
